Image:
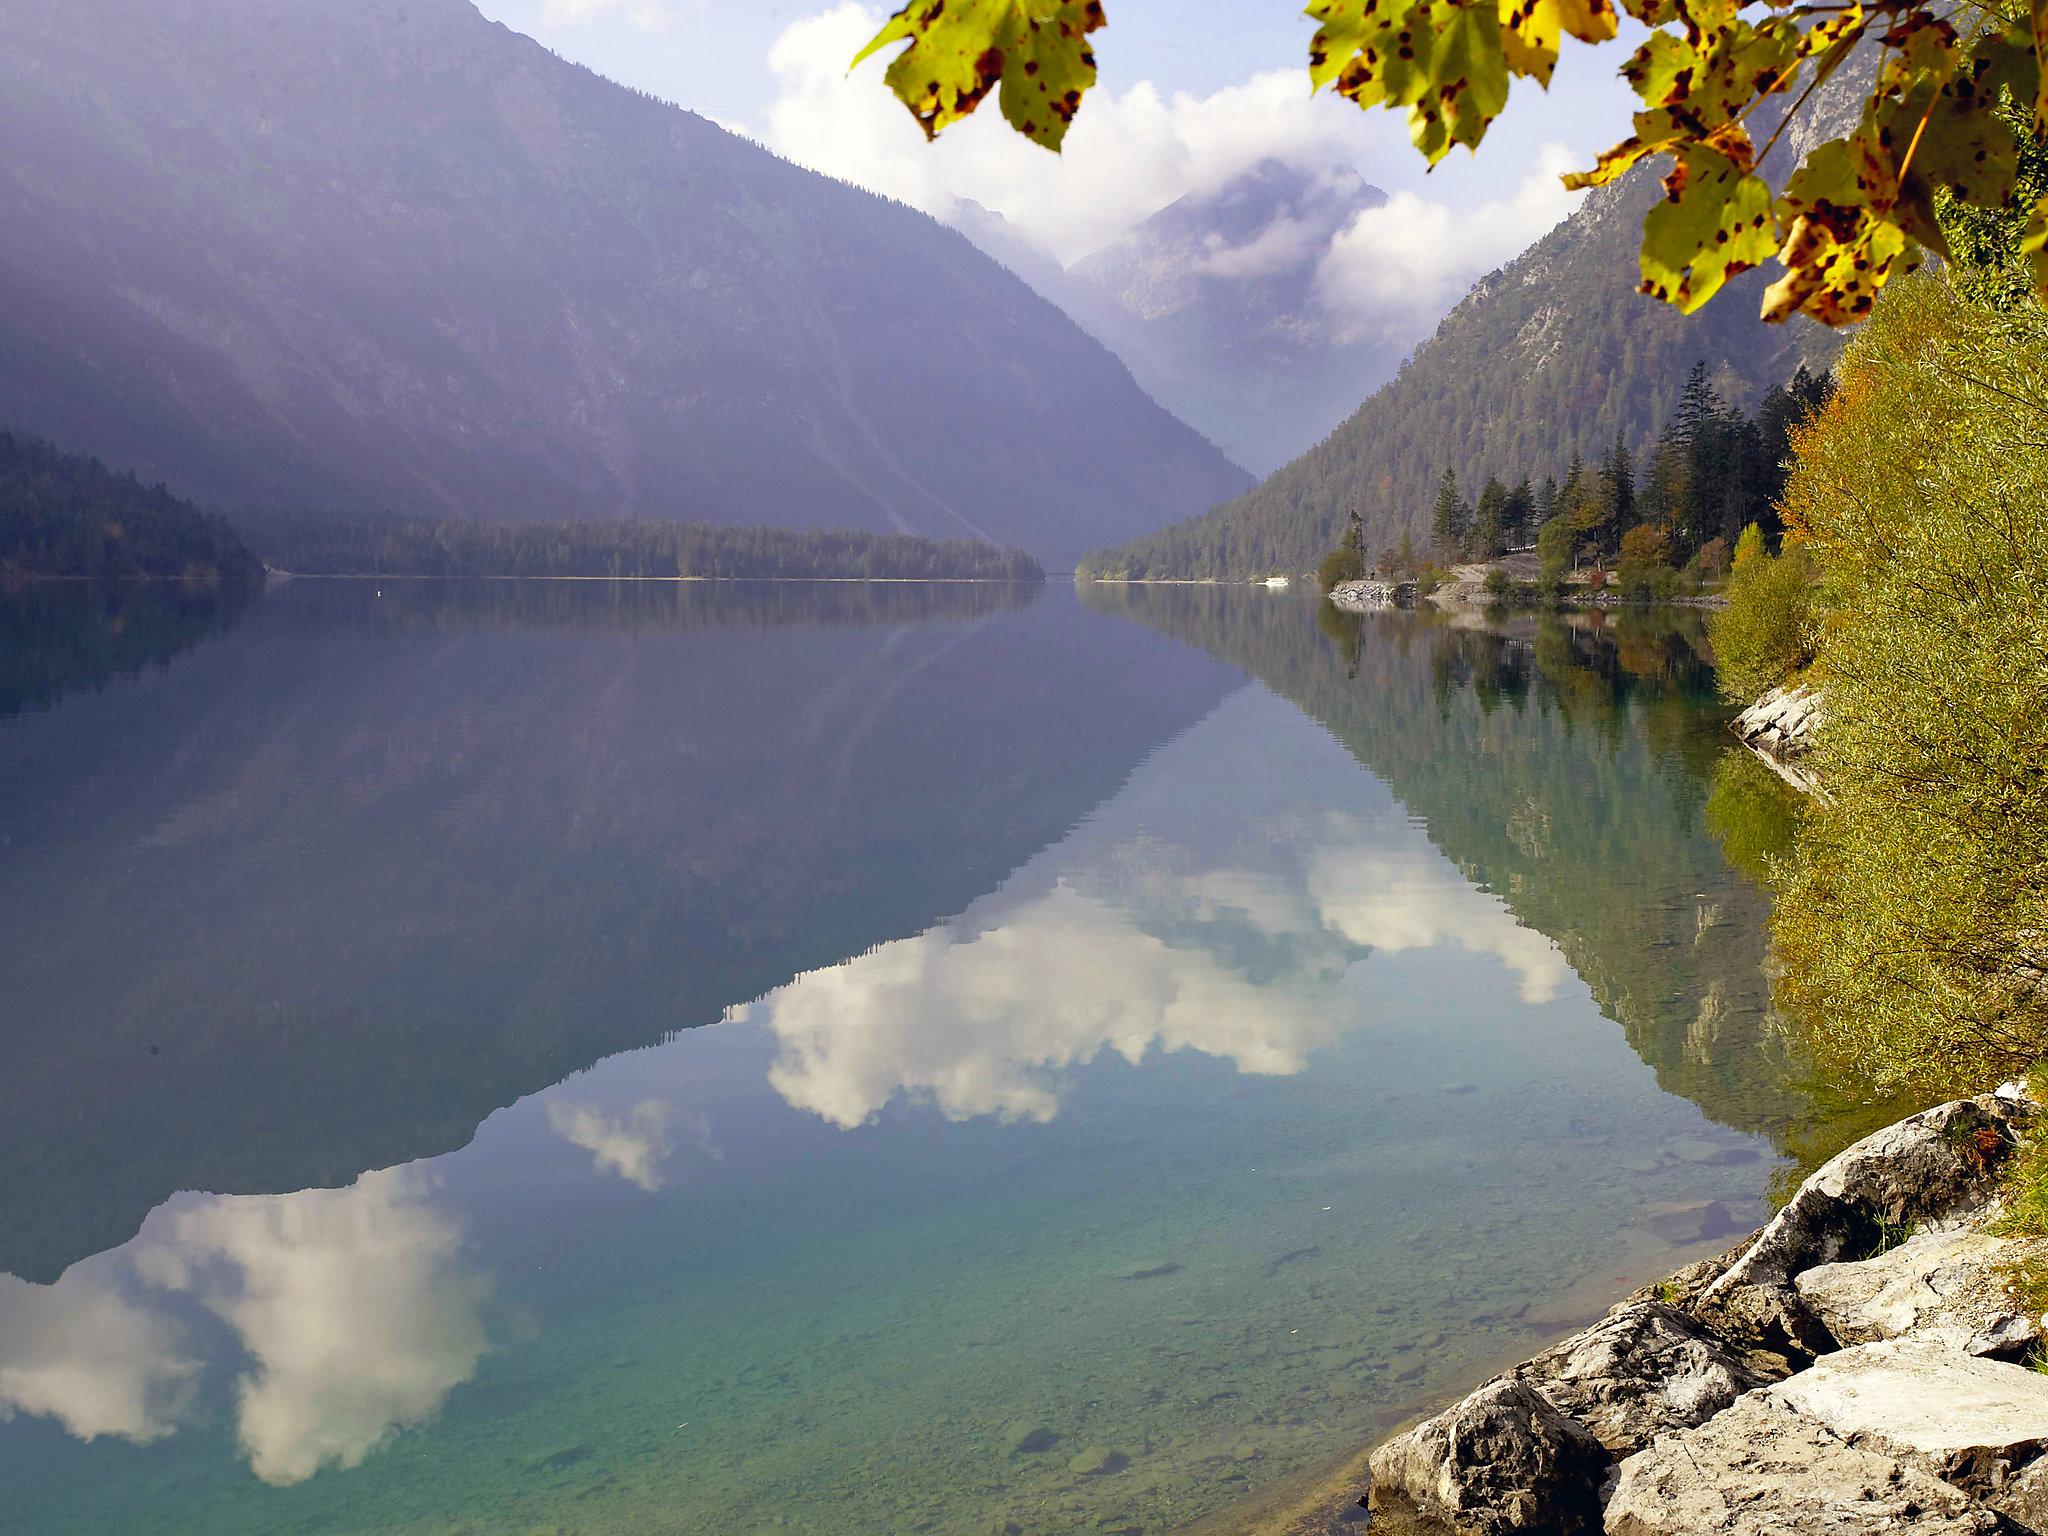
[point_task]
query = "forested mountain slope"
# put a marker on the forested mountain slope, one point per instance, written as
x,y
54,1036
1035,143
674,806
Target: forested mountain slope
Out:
x,y
1548,357
387,255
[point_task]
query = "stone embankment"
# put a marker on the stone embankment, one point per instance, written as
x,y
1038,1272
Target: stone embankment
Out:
x,y
1372,596
1859,1365
1780,728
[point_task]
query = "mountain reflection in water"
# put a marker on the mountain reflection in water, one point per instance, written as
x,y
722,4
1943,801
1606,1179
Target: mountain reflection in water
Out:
x,y
1103,1055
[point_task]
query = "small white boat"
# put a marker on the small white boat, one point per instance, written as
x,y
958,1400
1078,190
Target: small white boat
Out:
x,y
1276,581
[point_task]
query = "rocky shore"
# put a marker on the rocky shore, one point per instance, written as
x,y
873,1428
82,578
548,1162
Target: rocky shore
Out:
x,y
1861,1364
1780,727
1372,596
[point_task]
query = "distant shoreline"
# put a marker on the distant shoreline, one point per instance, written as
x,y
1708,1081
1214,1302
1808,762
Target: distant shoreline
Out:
x,y
855,581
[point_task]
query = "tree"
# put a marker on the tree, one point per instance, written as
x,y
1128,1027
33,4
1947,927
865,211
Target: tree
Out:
x,y
1450,521
1489,522
1519,521
1347,561
1853,213
1405,563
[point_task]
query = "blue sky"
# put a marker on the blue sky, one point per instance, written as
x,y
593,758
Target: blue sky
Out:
x,y
1192,91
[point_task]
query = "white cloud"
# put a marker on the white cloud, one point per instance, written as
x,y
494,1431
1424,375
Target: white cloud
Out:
x,y
1402,265
634,1145
355,1310
1401,901
96,1362
1128,155
983,1023
988,1021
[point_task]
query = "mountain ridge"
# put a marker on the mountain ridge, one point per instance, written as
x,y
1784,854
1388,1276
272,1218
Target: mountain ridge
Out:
x,y
1550,355
417,263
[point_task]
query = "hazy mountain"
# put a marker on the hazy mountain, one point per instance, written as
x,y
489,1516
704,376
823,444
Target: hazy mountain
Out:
x,y
387,254
1212,301
1551,355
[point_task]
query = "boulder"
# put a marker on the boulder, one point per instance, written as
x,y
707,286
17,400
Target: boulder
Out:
x,y
1764,1469
1947,1283
1927,1168
1641,1371
1978,1424
1502,1460
1783,722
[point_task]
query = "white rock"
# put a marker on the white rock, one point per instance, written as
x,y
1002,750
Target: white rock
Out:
x,y
1975,1423
1763,1469
1952,1283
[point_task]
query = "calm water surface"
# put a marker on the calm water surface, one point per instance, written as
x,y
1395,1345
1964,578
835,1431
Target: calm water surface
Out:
x,y
563,1057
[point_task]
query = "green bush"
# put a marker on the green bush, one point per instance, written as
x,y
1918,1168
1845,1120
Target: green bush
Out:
x,y
1765,636
1913,923
1340,565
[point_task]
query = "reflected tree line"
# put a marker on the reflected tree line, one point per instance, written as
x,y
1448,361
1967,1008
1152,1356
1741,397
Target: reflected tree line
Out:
x,y
1641,857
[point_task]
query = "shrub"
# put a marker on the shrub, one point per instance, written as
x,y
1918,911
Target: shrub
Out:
x,y
1913,925
1340,565
1765,636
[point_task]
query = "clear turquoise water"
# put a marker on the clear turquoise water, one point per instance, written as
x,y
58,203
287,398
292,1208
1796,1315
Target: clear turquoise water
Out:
x,y
721,1061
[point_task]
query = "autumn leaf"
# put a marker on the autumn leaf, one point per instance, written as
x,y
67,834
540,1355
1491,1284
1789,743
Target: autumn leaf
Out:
x,y
1714,222
960,50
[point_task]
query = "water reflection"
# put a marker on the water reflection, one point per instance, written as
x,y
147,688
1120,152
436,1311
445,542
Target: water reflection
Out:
x,y
1565,766
1236,961
350,1311
322,895
63,637
1166,1059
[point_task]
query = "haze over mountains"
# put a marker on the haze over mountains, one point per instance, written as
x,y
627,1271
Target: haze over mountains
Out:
x,y
385,254
1552,355
1215,303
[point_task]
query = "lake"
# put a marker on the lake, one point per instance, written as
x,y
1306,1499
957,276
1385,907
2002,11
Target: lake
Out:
x,y
579,1057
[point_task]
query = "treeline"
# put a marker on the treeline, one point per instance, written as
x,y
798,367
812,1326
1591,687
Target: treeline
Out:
x,y
338,545
67,515
1912,915
1714,472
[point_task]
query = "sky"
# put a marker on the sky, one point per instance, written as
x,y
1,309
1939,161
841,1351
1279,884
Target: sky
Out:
x,y
1191,92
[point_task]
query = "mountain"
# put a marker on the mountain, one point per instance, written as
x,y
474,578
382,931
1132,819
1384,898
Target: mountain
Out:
x,y
388,255
65,515
1553,354
1212,301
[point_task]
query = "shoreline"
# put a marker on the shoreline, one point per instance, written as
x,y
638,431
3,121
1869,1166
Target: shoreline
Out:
x,y
1787,1375
1324,1500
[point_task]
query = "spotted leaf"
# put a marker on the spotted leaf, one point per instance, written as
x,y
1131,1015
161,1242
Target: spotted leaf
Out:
x,y
1714,222
1036,51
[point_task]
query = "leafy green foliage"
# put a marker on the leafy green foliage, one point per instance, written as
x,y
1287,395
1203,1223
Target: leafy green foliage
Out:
x,y
63,514
1347,562
403,546
1912,924
1853,214
1765,636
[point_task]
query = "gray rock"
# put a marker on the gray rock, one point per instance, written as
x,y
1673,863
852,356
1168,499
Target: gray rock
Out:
x,y
1641,1371
1371,596
1502,1460
1762,1469
1930,1166
1026,1438
1973,1422
1949,1283
2012,1337
1098,1461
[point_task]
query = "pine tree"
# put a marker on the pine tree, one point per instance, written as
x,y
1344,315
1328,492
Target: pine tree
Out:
x,y
1404,555
1449,521
1489,523
1519,522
